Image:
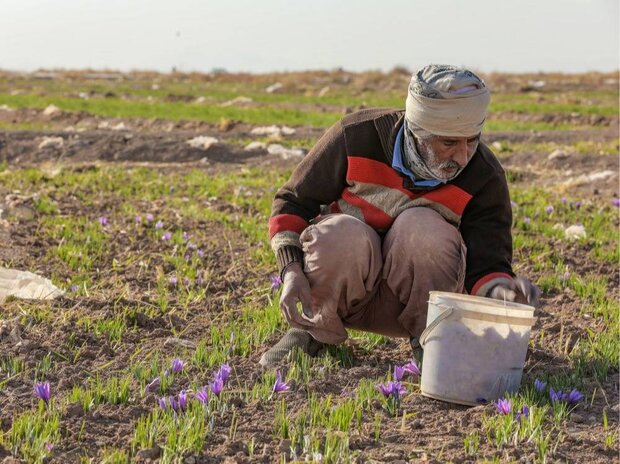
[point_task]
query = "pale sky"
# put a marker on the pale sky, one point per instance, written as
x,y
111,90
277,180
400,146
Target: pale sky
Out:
x,y
279,35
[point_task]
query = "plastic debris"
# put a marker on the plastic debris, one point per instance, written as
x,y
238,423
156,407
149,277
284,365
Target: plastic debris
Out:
x,y
203,142
51,110
274,87
255,146
285,153
53,142
273,131
575,232
24,284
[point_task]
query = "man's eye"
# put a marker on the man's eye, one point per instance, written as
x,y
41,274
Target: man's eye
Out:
x,y
449,143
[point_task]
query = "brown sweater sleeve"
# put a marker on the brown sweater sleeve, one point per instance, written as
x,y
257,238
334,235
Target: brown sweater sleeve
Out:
x,y
318,180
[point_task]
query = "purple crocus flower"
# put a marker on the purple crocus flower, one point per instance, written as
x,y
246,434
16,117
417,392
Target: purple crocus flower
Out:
x,y
202,395
149,217
527,220
577,204
276,282
103,220
549,209
185,235
503,406
191,245
200,253
159,225
182,402
42,391
615,202
49,446
412,368
279,385
153,385
162,403
174,404
564,277
167,236
224,372
525,412
391,388
575,396
563,200
216,386
74,288
177,365
173,281
539,385
555,395
399,372
138,219
513,205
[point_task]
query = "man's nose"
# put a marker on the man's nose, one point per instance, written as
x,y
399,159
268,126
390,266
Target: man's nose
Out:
x,y
461,153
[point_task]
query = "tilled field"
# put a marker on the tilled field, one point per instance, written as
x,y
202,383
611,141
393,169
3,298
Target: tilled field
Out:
x,y
162,250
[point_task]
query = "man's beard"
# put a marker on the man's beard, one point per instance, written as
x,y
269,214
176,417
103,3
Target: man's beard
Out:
x,y
442,170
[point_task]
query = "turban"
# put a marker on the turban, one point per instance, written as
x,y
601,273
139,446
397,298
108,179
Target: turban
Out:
x,y
446,100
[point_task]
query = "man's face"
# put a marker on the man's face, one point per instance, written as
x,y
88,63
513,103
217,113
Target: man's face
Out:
x,y
445,156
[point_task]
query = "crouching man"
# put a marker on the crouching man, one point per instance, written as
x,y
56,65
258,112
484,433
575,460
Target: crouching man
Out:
x,y
387,206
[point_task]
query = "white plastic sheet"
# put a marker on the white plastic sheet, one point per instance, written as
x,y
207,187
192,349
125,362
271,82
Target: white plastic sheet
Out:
x,y
24,284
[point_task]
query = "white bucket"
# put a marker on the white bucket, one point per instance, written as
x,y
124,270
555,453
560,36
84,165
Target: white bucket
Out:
x,y
474,347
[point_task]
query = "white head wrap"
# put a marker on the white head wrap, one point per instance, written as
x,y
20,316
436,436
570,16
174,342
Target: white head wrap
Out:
x,y
446,100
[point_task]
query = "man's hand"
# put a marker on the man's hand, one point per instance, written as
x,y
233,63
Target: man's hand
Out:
x,y
296,288
520,290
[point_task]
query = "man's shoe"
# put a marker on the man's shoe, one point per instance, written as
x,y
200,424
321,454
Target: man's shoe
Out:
x,y
293,338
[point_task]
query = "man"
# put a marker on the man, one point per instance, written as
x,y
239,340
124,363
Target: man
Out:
x,y
388,206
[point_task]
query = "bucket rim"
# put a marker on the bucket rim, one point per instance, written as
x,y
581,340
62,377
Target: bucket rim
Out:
x,y
499,304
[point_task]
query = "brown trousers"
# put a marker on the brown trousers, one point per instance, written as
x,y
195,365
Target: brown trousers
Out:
x,y
360,281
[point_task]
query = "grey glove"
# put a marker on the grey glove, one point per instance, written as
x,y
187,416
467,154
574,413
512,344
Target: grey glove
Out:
x,y
519,290
296,288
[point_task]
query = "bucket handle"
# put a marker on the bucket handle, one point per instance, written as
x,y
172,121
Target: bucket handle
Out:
x,y
448,310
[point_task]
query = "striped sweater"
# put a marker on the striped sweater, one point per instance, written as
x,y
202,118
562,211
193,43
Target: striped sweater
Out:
x,y
350,171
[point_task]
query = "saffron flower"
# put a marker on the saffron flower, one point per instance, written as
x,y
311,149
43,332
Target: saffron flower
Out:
x,y
549,209
191,245
200,253
162,403
42,391
49,446
391,389
279,385
539,385
399,372
555,395
615,201
525,412
412,368
173,281
149,217
575,396
167,236
224,372
578,204
74,288
202,395
159,225
182,402
103,220
503,406
563,200
138,219
185,235
174,404
216,386
153,385
186,281
276,282
177,366
564,277
527,220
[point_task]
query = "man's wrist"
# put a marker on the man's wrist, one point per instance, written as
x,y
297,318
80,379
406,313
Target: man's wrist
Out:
x,y
288,255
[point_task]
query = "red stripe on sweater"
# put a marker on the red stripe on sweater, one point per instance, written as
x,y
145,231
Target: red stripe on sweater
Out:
x,y
286,222
373,216
488,278
374,172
